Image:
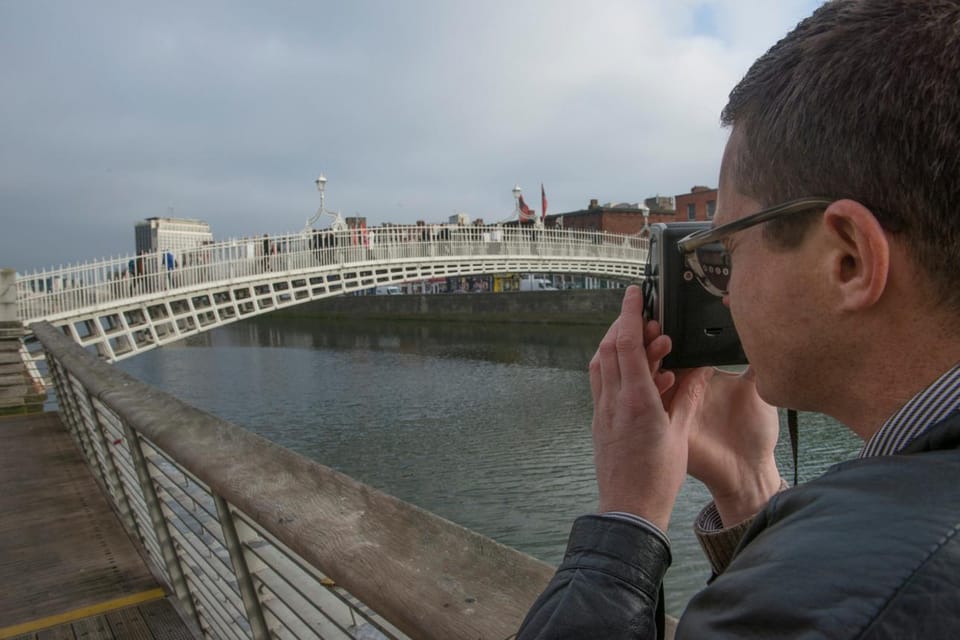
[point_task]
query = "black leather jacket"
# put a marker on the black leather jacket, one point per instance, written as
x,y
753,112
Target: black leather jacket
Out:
x,y
868,550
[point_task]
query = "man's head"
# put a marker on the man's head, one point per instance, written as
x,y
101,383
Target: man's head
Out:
x,y
861,101
860,105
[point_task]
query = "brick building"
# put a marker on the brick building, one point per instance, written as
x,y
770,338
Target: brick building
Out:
x,y
616,217
699,204
628,217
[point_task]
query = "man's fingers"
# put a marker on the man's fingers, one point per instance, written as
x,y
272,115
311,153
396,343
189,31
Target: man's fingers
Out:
x,y
631,355
651,331
606,350
664,381
657,350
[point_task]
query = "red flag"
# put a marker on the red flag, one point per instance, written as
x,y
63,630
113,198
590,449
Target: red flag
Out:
x,y
526,213
543,203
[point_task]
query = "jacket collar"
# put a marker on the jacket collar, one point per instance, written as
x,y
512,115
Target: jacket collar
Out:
x,y
942,435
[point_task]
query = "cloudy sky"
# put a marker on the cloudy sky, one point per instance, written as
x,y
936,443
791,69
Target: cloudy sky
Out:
x,y
114,111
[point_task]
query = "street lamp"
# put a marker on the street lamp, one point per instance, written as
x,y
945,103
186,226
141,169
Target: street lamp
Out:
x,y
321,183
516,201
338,224
645,212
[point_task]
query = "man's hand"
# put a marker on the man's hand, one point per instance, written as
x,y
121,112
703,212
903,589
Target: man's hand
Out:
x,y
731,445
652,427
640,443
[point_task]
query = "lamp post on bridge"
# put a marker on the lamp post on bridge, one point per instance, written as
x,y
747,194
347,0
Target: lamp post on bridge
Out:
x,y
338,224
321,183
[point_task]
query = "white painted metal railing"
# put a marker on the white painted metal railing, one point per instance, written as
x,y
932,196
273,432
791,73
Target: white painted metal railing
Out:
x,y
258,542
120,307
50,294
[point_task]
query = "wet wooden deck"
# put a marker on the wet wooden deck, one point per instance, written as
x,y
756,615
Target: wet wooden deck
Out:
x,y
67,567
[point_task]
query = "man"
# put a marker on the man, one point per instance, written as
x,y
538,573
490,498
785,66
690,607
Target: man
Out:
x,y
845,302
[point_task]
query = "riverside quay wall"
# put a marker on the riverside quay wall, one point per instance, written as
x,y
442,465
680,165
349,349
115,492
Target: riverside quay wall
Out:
x,y
575,306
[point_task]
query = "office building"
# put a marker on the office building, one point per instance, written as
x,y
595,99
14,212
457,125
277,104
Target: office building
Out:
x,y
177,235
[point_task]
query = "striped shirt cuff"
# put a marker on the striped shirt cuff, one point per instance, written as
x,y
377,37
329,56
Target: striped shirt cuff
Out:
x,y
719,543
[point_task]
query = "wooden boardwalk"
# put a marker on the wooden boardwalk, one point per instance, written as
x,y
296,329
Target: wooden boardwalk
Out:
x,y
67,568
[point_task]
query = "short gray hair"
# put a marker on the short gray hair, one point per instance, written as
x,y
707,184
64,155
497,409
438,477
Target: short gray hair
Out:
x,y
862,100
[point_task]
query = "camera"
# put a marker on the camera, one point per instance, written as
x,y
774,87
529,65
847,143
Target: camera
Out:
x,y
697,322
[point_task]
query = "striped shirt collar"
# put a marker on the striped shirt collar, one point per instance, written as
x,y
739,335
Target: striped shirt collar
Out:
x,y
925,409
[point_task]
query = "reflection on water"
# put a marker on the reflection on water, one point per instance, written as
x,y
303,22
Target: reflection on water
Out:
x,y
487,425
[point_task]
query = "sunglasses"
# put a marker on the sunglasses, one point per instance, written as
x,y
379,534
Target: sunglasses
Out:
x,y
706,254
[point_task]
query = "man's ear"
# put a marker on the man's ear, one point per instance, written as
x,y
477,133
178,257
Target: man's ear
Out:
x,y
859,254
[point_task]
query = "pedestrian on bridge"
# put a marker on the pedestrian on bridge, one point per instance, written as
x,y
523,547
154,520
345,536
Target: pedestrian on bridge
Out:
x,y
838,206
170,263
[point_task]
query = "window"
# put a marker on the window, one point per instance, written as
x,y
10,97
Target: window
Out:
x,y
711,208
692,211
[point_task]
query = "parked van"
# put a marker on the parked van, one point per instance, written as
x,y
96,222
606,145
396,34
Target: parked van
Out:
x,y
531,283
389,290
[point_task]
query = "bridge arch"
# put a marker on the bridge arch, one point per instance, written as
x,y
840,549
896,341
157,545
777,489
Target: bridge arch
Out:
x,y
124,306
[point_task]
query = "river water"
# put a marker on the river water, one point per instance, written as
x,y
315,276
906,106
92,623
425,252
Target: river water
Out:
x,y
487,425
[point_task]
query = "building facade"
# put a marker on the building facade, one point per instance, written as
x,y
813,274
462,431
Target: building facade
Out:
x,y
176,235
699,204
616,217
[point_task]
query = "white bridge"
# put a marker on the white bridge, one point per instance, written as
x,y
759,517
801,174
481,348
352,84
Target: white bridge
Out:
x,y
123,306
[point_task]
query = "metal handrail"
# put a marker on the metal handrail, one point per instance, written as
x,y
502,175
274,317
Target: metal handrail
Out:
x,y
257,541
50,294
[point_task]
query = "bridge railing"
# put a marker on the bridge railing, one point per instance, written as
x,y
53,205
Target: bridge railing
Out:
x,y
256,541
51,293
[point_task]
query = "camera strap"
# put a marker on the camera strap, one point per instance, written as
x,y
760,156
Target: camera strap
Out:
x,y
792,427
648,284
660,617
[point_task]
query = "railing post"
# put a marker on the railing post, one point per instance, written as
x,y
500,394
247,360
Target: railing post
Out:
x,y
8,296
67,402
258,625
83,427
112,478
170,558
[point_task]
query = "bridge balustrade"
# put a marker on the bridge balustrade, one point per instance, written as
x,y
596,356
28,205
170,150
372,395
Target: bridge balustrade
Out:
x,y
67,292
256,541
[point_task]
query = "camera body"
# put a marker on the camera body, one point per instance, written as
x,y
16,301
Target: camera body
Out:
x,y
697,322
